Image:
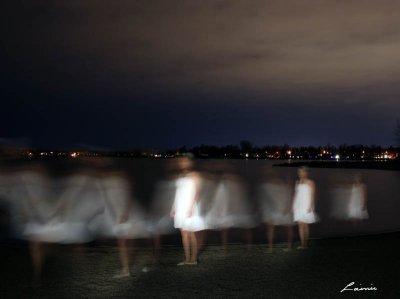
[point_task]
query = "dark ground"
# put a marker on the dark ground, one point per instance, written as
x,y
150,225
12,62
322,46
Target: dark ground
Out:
x,y
321,271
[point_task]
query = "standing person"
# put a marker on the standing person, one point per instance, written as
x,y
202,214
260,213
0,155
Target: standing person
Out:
x,y
304,205
185,211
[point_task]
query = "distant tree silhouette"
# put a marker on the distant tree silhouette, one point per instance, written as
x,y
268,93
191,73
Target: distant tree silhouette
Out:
x,y
246,146
182,149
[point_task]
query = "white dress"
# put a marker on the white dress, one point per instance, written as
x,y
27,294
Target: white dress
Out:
x,y
230,207
275,201
187,214
78,221
123,217
301,204
340,195
31,205
356,203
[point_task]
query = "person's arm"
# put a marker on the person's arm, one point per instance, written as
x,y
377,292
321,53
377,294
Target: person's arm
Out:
x,y
196,181
126,210
173,208
293,196
312,195
129,188
74,184
172,212
364,189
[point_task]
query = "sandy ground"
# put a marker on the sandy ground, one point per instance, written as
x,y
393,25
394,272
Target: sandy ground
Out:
x,y
321,271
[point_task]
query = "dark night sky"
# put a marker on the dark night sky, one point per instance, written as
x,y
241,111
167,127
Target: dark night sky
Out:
x,y
159,74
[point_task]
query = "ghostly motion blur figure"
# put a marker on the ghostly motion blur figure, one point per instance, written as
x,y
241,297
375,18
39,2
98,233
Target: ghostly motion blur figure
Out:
x,y
160,222
350,201
358,200
123,219
275,202
230,207
32,211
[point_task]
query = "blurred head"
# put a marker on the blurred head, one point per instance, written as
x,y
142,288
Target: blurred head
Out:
x,y
302,172
357,178
185,164
268,173
36,167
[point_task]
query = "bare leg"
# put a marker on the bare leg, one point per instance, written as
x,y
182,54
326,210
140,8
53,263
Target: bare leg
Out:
x,y
270,236
186,244
201,236
224,235
157,245
123,254
193,246
356,225
36,254
249,239
290,236
301,233
306,234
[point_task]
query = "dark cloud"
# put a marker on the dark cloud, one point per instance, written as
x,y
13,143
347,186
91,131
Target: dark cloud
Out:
x,y
326,58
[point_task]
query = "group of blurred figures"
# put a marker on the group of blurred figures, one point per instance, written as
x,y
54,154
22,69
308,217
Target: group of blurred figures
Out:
x,y
98,202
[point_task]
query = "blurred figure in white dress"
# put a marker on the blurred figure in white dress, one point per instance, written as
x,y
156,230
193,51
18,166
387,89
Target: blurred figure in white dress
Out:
x,y
349,200
71,211
275,201
230,207
124,219
80,206
357,208
160,221
209,183
33,208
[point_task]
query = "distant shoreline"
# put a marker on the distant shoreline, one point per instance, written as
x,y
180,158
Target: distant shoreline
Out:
x,y
393,165
379,165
